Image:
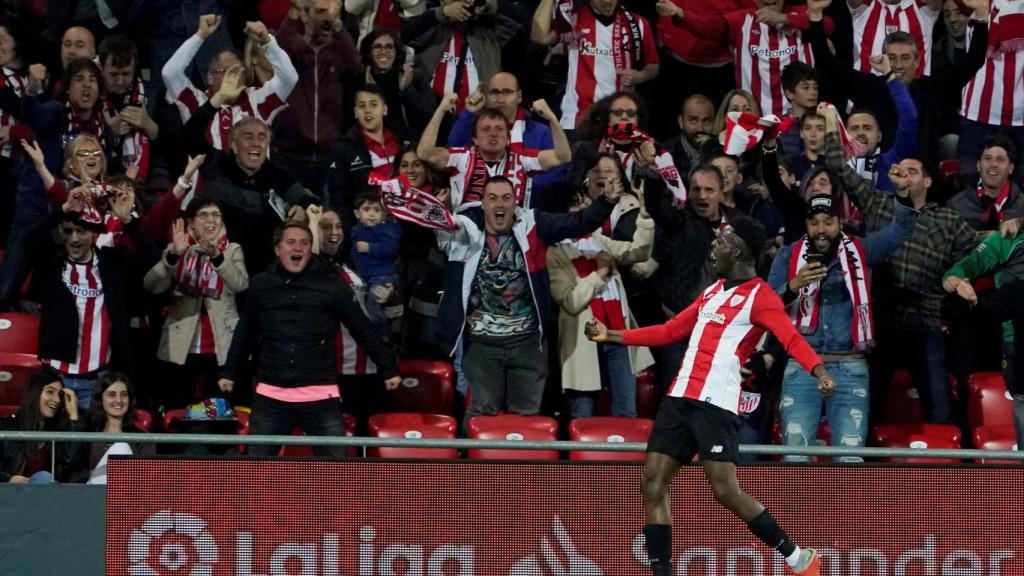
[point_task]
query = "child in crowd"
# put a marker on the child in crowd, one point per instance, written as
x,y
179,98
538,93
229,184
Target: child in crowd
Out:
x,y
374,250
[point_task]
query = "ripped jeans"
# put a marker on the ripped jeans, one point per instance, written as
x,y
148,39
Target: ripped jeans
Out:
x,y
846,408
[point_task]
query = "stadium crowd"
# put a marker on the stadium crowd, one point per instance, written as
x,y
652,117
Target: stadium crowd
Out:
x,y
275,202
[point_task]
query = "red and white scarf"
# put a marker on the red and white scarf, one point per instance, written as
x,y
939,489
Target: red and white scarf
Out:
x,y
607,306
853,263
517,131
195,275
134,144
744,131
386,15
414,205
73,125
851,146
998,204
663,163
627,40
510,166
382,156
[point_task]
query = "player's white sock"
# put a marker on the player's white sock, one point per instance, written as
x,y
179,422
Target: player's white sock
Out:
x,y
793,558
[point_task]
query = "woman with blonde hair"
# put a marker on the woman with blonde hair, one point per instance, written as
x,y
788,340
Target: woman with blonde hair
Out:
x,y
735,101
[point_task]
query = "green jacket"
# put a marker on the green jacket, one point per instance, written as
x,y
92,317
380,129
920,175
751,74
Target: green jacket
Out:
x,y
1002,256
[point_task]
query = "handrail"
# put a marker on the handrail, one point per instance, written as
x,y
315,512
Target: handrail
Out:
x,y
464,443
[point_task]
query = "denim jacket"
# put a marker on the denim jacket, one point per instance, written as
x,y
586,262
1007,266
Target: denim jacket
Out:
x,y
834,333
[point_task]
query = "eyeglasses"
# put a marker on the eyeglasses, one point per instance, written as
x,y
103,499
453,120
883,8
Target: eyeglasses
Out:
x,y
504,92
208,215
383,47
627,112
88,153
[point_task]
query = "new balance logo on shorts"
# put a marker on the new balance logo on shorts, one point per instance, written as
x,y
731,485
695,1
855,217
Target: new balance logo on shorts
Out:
x,y
716,449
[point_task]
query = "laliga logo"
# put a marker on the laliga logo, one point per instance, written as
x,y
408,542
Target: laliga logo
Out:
x,y
178,532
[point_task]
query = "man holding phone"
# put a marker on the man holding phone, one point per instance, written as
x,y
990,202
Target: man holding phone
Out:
x,y
823,280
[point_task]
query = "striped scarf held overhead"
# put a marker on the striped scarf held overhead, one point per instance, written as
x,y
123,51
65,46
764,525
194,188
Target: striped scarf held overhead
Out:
x,y
853,263
195,275
414,205
607,307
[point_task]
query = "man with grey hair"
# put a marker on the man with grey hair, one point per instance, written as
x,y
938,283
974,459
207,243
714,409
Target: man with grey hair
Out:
x,y
255,195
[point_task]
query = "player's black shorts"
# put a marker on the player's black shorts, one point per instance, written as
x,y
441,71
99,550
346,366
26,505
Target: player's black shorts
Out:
x,y
685,427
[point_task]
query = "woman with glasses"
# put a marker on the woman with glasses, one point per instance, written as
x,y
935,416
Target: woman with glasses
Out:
x,y
406,91
203,272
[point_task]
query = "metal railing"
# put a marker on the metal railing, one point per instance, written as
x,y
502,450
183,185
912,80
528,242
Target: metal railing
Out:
x,y
463,443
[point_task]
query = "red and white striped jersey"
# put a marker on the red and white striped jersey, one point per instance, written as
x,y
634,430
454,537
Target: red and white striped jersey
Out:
x,y
761,52
352,358
724,325
996,93
264,102
873,20
596,53
93,353
468,173
448,68
17,84
202,339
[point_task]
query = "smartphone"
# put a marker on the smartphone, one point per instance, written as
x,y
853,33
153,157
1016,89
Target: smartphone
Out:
x,y
812,258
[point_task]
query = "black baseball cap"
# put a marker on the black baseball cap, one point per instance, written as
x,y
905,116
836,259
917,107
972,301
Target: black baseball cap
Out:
x,y
822,204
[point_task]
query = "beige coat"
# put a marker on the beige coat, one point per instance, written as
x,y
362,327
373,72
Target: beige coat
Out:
x,y
183,312
580,367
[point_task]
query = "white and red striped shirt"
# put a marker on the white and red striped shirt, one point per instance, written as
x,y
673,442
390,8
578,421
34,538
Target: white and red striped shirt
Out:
x,y
873,20
468,173
382,155
761,51
17,83
448,69
202,339
596,53
996,93
724,325
352,358
93,352
264,102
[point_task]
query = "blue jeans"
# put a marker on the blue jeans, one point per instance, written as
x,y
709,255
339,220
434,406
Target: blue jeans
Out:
x,y
617,377
846,408
374,309
274,417
82,387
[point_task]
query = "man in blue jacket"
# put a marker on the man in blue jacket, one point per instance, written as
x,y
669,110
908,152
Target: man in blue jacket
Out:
x,y
823,279
497,293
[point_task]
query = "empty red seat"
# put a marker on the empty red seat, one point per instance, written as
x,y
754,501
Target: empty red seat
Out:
x,y
902,402
427,387
609,429
412,425
8,410
143,420
949,168
918,436
19,333
988,402
996,438
15,372
513,427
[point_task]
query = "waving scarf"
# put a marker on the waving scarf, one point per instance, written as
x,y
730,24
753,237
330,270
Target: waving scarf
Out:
x,y
414,205
195,275
744,131
663,163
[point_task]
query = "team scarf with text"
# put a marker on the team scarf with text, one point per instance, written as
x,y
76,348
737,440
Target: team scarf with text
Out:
x,y
414,205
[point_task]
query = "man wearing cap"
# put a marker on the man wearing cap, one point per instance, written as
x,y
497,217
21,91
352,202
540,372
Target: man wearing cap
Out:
x,y
823,280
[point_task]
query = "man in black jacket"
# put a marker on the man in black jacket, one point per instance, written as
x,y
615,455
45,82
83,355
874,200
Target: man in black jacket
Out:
x,y
84,324
292,314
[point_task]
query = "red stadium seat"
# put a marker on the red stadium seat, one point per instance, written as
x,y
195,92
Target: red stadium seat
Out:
x,y
172,417
143,419
428,387
15,371
19,333
949,168
412,425
903,402
6,411
996,438
917,436
609,429
513,427
988,402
